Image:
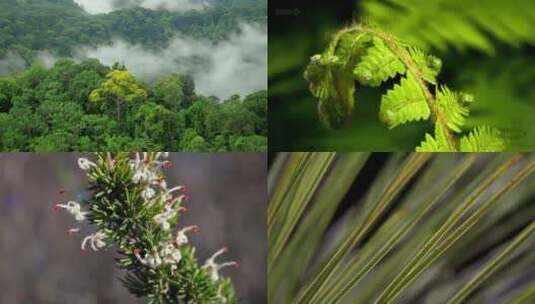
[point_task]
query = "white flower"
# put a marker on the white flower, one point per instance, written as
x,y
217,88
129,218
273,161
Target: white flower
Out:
x,y
170,254
96,239
148,193
142,174
220,295
182,238
163,184
177,188
85,164
74,209
161,154
151,260
138,159
212,268
170,199
163,218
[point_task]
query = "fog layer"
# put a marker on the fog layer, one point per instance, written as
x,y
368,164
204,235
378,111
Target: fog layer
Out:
x,y
106,6
236,65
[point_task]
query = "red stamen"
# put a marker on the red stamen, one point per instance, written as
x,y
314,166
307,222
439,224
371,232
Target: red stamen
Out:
x,y
61,191
195,229
182,209
236,264
225,249
56,208
167,164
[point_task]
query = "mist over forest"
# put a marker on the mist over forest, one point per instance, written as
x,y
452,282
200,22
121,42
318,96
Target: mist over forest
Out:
x,y
200,64
233,63
106,6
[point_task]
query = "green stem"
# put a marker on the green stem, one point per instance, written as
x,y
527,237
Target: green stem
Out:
x,y
493,265
393,44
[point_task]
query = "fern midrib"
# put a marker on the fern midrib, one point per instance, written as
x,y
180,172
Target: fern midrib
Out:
x,y
406,59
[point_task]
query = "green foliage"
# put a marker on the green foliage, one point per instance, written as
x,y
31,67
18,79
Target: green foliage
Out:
x,y
500,81
331,78
458,23
409,100
378,65
133,210
61,26
170,90
453,106
404,103
89,107
119,85
439,143
482,139
410,220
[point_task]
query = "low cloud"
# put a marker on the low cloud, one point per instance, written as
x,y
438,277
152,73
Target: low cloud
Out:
x,y
11,63
46,58
106,6
236,65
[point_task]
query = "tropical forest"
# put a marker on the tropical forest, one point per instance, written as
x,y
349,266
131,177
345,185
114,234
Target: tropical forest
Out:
x,y
127,75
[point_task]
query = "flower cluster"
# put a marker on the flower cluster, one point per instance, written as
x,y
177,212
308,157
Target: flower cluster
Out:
x,y
132,208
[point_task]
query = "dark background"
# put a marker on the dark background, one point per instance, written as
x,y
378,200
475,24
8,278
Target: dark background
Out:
x,y
41,264
501,83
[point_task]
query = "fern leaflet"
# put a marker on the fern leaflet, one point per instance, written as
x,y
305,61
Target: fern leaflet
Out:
x,y
370,57
378,65
483,139
404,103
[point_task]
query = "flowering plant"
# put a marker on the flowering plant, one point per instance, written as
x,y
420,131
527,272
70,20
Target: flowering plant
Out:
x,y
132,208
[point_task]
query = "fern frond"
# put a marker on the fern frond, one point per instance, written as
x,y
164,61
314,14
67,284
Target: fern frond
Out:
x,y
461,24
452,107
438,143
331,79
371,56
483,139
429,65
334,91
378,65
405,102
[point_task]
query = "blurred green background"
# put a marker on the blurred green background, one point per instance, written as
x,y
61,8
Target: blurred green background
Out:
x,y
486,48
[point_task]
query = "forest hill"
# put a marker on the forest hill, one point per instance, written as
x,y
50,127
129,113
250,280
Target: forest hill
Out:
x,y
88,106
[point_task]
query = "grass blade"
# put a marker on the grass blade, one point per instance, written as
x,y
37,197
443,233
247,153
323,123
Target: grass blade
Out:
x,y
315,168
447,235
303,243
357,271
493,265
413,163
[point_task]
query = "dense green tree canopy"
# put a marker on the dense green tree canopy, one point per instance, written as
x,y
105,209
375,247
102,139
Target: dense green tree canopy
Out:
x,y
91,107
60,25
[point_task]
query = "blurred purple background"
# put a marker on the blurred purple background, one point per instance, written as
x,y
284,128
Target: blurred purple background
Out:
x,y
40,263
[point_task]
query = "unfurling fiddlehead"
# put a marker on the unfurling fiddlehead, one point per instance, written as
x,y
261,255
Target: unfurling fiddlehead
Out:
x,y
370,56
